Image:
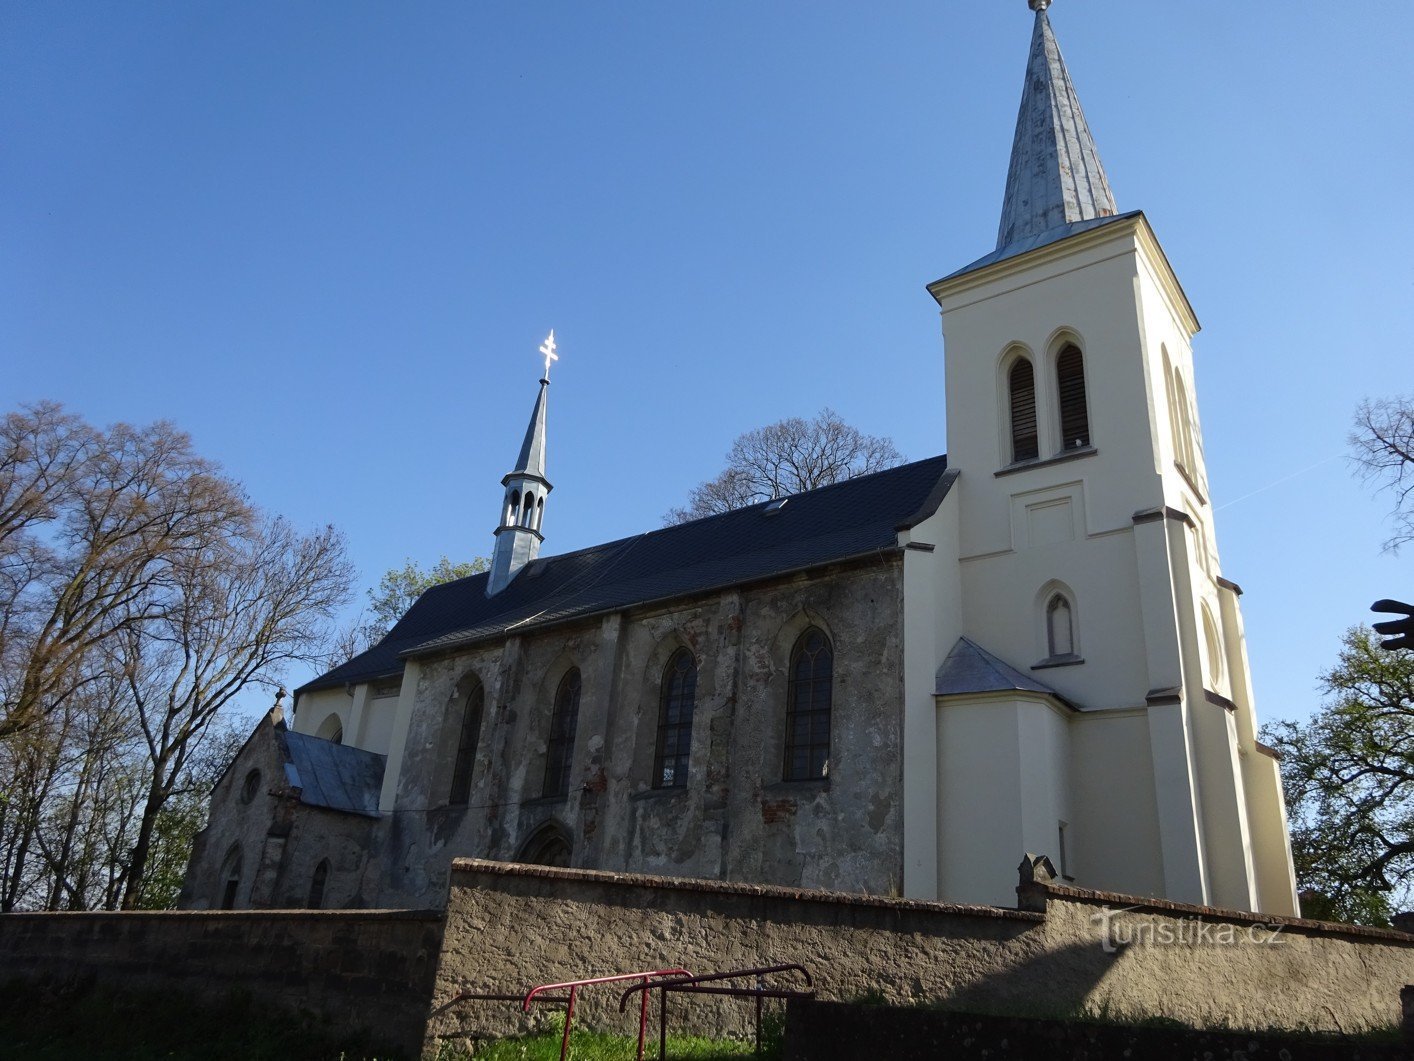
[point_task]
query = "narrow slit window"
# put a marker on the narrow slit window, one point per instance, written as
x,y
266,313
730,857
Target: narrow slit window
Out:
x,y
679,694
1070,385
468,737
1060,627
316,886
1025,444
559,753
808,702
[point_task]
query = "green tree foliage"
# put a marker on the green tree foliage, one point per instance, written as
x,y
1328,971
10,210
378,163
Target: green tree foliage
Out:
x,y
401,586
1348,774
389,601
787,458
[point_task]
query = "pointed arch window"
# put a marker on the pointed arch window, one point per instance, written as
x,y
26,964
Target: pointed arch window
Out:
x,y
316,886
548,846
559,752
1185,424
468,737
512,509
1060,627
1021,386
1070,387
675,707
809,693
230,878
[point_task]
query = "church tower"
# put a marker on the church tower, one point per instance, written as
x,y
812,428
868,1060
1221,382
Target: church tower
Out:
x,y
1088,562
518,536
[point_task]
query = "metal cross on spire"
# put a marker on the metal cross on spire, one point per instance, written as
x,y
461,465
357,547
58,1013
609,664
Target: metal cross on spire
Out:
x,y
548,349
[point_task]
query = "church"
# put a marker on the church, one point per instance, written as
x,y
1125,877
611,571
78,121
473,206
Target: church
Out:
x,y
894,685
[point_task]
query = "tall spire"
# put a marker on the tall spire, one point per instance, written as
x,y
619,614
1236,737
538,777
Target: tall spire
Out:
x,y
1056,177
518,536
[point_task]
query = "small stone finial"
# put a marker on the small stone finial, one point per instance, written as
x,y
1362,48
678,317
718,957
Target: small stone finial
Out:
x,y
1039,5
1036,869
548,349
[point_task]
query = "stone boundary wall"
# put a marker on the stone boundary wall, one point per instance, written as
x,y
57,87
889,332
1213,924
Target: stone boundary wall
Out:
x,y
1075,952
366,970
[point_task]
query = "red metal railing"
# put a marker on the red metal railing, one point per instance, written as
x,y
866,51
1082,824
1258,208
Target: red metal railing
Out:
x,y
537,994
575,985
692,985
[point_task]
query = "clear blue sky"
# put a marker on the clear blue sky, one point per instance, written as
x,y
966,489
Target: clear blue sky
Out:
x,y
327,238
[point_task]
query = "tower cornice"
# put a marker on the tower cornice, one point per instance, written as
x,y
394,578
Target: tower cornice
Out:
x,y
1128,233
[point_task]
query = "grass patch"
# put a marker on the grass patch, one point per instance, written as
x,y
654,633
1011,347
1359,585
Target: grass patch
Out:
x,y
588,1045
80,1022
597,1046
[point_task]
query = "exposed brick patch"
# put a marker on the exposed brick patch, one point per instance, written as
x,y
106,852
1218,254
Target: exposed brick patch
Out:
x,y
774,811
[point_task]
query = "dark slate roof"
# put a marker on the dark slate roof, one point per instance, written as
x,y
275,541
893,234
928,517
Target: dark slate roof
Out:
x,y
847,520
335,776
970,668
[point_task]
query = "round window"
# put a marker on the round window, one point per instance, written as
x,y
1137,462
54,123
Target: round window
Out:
x,y
251,786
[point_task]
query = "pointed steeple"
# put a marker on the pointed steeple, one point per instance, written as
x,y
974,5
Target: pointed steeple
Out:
x,y
518,536
1056,177
532,451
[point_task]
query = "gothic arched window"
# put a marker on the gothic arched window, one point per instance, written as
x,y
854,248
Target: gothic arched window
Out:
x,y
1021,385
1185,425
548,846
230,877
1070,386
559,752
808,695
1060,627
470,733
316,886
678,697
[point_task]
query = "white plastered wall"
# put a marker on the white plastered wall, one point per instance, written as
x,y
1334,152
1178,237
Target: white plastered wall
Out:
x,y
932,605
1003,789
1139,585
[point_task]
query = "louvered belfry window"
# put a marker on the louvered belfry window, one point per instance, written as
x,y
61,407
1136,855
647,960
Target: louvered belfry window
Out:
x,y
1022,384
559,754
808,697
679,695
1070,383
466,746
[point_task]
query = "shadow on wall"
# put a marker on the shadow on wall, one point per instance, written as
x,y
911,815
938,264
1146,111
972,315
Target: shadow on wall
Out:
x,y
1070,974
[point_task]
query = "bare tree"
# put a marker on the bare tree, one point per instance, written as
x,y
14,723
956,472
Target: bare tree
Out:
x,y
1383,441
139,594
239,612
92,557
787,458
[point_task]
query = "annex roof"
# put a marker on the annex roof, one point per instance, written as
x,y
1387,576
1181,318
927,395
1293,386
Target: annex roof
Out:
x,y
845,521
970,668
336,776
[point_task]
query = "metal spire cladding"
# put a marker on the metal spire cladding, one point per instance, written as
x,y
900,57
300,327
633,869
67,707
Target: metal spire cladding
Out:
x,y
1056,177
518,537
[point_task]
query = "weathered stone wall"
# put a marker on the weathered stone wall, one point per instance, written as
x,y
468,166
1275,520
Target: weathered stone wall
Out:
x,y
735,817
369,970
272,843
511,927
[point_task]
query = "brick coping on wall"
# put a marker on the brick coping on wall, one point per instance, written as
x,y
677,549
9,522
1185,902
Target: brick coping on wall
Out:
x,y
1029,893
720,887
1034,890
347,916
